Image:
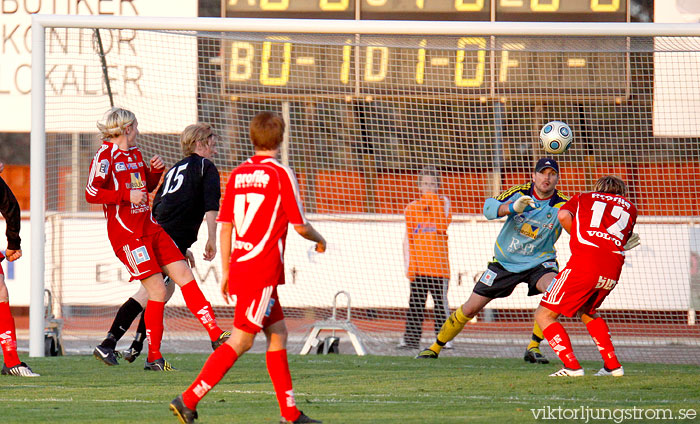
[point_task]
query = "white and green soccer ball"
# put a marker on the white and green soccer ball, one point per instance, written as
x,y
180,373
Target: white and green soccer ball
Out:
x,y
556,137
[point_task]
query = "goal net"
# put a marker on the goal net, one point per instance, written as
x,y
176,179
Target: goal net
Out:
x,y
368,109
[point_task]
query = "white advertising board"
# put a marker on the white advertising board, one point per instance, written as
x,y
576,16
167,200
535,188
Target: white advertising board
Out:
x,y
677,74
66,75
363,258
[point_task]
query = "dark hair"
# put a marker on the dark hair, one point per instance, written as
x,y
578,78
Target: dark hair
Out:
x,y
266,131
610,184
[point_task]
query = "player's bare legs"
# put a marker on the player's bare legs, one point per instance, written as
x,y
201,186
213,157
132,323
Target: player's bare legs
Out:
x,y
455,323
4,295
559,340
276,335
532,352
200,307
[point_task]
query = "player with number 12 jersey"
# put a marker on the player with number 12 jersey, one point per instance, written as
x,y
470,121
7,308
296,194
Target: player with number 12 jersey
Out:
x,y
601,226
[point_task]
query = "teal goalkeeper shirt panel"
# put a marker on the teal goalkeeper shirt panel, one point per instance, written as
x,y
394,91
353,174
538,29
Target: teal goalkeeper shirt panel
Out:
x,y
526,240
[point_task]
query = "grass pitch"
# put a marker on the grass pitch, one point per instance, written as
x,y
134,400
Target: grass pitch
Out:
x,y
351,389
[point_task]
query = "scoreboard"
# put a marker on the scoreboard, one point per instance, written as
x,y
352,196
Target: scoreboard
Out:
x,y
469,66
434,10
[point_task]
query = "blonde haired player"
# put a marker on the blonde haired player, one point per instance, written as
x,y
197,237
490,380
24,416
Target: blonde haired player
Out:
x,y
190,192
120,181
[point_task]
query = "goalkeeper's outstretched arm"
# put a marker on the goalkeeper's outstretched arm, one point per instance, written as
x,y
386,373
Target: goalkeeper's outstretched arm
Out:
x,y
309,232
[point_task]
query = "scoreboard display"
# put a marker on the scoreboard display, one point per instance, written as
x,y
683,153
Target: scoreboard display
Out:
x,y
468,66
434,10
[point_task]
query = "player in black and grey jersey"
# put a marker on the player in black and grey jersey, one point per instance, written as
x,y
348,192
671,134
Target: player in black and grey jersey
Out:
x,y
190,192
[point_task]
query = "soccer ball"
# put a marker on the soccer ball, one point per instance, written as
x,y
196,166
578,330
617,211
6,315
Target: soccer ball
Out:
x,y
556,137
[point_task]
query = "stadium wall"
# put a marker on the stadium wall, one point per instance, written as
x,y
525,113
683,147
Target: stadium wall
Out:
x,y
97,278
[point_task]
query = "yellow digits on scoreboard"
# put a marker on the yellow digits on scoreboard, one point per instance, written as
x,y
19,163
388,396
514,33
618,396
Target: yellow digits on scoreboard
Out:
x,y
378,74
478,78
265,78
241,65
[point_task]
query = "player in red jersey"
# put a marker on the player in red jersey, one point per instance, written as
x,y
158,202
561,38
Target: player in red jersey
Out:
x,y
189,194
600,224
261,200
120,181
9,208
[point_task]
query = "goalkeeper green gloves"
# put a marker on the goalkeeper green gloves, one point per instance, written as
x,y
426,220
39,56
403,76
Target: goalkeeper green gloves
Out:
x,y
523,204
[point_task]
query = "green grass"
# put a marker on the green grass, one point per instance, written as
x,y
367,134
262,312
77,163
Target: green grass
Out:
x,y
341,389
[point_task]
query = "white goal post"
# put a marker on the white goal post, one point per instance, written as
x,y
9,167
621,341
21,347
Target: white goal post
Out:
x,y
467,98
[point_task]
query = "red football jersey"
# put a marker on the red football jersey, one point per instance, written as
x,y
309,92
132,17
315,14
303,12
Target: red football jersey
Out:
x,y
602,224
113,174
261,200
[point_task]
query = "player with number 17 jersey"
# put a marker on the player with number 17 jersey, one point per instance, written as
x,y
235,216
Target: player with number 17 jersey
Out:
x,y
261,200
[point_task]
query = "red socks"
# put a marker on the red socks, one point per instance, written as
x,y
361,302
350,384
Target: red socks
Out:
x,y
153,316
222,360
278,368
8,338
600,333
561,344
201,308
213,371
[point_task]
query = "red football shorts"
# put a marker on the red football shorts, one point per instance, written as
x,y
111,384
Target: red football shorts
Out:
x,y
144,256
257,309
572,292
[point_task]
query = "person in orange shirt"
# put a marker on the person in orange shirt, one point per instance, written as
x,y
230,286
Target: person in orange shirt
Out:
x,y
428,265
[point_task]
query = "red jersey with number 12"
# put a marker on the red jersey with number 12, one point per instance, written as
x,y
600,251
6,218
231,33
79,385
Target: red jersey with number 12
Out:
x,y
113,174
261,200
601,226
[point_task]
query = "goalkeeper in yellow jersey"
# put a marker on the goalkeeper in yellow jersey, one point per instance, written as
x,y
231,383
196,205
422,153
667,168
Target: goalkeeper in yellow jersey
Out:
x,y
523,253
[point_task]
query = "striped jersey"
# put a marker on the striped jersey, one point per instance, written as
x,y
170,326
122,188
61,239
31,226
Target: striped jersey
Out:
x,y
427,220
527,239
113,174
261,199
